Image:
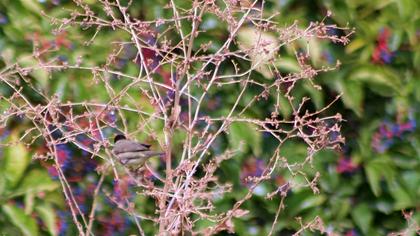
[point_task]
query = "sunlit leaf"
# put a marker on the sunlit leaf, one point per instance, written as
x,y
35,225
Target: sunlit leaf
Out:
x,y
16,160
362,216
40,74
34,182
402,198
48,216
33,6
17,217
29,201
355,45
246,134
287,64
263,48
2,184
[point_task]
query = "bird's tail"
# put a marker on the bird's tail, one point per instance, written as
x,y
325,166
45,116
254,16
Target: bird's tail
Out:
x,y
152,153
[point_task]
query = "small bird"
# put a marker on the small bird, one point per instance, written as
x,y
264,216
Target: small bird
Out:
x,y
132,154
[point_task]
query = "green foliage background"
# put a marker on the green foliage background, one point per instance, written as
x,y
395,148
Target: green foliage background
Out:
x,y
365,200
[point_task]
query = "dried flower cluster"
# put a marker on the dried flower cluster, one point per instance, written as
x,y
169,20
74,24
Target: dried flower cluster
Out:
x,y
166,97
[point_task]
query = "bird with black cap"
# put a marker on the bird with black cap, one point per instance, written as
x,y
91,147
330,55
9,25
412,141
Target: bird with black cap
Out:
x,y
132,154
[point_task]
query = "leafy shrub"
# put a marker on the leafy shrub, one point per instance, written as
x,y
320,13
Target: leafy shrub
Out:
x,y
251,164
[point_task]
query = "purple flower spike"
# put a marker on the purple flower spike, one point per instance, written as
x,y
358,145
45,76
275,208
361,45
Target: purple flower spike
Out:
x,y
346,165
3,19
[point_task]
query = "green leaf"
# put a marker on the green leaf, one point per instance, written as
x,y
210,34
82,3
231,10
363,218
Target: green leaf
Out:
x,y
17,216
396,40
317,96
40,74
48,216
262,45
353,95
244,133
406,8
411,181
302,201
230,170
381,80
34,182
29,203
354,45
55,197
416,61
2,184
374,178
16,160
376,169
362,216
365,140
61,88
31,5
402,198
294,151
384,206
312,201
343,208
285,107
315,50
287,64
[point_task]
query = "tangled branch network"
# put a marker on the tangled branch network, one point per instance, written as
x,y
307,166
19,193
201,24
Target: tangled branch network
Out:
x,y
162,81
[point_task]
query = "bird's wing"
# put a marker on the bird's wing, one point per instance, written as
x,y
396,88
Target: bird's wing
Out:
x,y
129,146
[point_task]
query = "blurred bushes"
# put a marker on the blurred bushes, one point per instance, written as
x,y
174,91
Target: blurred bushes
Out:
x,y
363,189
